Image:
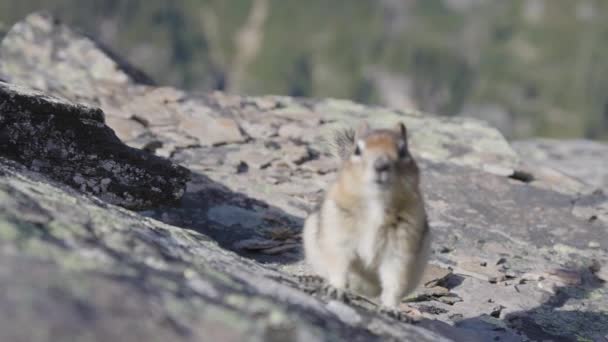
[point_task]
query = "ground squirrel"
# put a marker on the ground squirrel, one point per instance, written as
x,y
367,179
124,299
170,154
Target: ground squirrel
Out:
x,y
370,234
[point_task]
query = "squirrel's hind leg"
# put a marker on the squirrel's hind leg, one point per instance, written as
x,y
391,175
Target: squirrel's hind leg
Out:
x,y
363,282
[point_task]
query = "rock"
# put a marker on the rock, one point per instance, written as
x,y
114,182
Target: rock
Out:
x,y
126,129
584,160
458,141
489,329
592,207
259,130
39,49
552,280
209,130
433,310
450,299
95,271
600,271
435,291
258,158
434,275
71,144
154,106
297,154
494,216
256,244
496,311
566,276
293,131
480,269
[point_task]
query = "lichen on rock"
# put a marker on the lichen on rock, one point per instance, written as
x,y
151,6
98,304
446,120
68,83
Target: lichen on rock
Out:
x,y
73,145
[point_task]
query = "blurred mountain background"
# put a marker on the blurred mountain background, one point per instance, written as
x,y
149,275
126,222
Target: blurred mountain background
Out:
x,y
529,67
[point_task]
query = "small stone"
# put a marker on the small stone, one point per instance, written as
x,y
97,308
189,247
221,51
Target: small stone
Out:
x,y
433,310
256,244
455,317
281,248
209,130
293,131
296,154
125,129
436,291
567,276
272,145
78,179
434,275
242,167
259,130
445,250
498,170
280,233
258,159
472,267
552,280
593,244
450,299
265,103
531,276
496,311
599,271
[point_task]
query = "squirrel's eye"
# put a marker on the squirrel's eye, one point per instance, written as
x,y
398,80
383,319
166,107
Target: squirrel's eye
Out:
x,y
357,151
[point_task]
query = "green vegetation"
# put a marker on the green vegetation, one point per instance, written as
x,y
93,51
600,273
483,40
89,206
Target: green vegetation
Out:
x,y
543,64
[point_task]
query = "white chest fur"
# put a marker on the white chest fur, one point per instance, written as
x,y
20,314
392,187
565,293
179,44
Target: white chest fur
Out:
x,y
372,234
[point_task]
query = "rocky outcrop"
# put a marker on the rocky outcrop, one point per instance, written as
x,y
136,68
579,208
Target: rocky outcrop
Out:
x,y
95,272
517,254
72,144
41,49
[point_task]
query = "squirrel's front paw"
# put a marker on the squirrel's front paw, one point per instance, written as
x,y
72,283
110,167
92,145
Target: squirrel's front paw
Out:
x,y
310,279
394,313
310,283
335,293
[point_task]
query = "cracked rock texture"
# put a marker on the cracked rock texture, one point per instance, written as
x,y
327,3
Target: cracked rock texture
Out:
x,y
72,144
520,241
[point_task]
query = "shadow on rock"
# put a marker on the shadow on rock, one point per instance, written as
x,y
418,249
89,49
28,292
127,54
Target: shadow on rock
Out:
x,y
247,226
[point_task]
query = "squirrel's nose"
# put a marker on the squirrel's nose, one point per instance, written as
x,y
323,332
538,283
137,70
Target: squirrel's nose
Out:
x,y
382,164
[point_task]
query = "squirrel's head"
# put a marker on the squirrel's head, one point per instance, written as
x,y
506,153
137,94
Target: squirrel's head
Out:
x,y
382,157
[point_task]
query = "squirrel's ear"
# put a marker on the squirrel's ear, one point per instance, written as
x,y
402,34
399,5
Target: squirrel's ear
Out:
x,y
363,129
402,129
